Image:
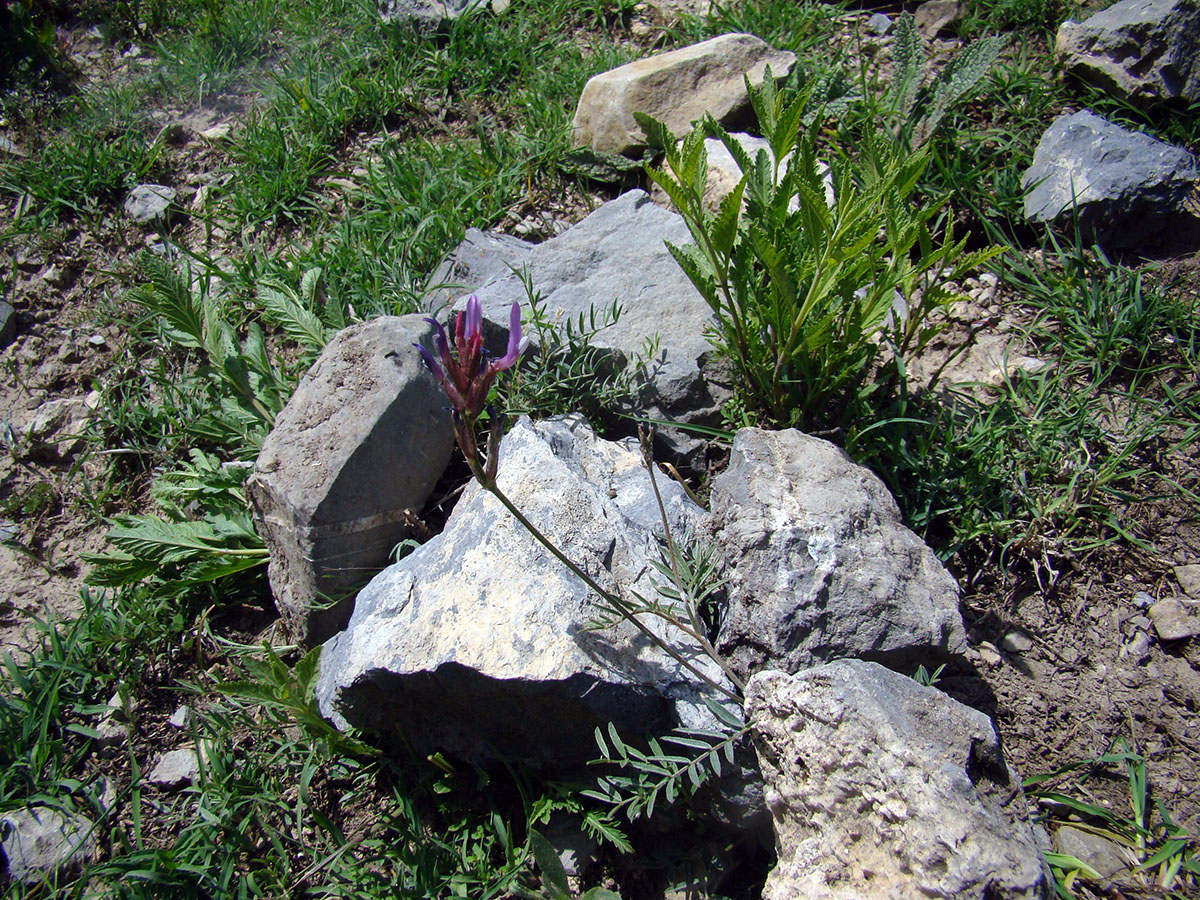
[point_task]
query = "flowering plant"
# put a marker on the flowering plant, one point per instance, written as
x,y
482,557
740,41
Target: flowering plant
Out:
x,y
466,375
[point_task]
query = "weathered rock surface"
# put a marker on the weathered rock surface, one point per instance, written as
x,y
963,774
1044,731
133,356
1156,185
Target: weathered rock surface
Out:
x,y
1175,619
427,13
882,788
362,442
482,256
1105,856
476,643
148,203
933,17
1126,187
676,87
1141,50
176,768
822,567
38,841
8,324
618,253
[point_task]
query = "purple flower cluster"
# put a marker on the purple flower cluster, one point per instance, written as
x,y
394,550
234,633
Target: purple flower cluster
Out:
x,y
466,375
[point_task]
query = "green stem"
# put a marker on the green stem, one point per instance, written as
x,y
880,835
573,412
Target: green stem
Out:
x,y
489,484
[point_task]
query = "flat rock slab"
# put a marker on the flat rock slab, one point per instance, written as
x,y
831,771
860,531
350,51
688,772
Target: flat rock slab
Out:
x,y
677,88
358,448
1126,188
148,203
618,253
481,257
821,565
882,788
38,841
1140,50
477,643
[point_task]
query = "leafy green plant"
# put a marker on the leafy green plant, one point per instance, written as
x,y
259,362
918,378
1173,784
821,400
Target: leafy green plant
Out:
x,y
918,102
1162,854
644,776
565,372
179,551
804,290
554,876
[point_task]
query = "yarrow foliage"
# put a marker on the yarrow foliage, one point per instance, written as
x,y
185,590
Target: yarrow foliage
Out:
x,y
466,375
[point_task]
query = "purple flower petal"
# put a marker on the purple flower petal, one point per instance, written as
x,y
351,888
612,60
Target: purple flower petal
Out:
x,y
474,325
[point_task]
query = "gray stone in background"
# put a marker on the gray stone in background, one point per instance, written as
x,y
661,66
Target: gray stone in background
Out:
x,y
1142,50
1127,187
426,13
362,442
618,253
676,87
1175,619
933,17
476,643
149,203
882,788
38,841
879,24
1188,577
822,566
8,324
482,256
1105,856
176,769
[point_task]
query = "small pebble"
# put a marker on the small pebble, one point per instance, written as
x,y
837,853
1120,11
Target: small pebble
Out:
x,y
1189,579
989,654
1017,642
181,718
1142,600
1173,621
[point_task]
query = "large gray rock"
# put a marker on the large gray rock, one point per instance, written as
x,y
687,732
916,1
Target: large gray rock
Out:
x,y
821,566
618,253
38,841
356,451
882,788
1127,188
1137,49
482,256
477,642
676,87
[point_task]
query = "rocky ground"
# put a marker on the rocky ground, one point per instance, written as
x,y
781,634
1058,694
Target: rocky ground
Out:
x,y
1070,656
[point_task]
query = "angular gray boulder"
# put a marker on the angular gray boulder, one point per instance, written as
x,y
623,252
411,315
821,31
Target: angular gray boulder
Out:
x,y
1126,188
821,566
676,87
618,253
478,644
1140,50
882,788
480,257
355,453
426,13
38,841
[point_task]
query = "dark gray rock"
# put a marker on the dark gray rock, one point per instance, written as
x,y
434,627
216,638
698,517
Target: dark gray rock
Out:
x,y
1126,188
482,256
149,203
8,324
1105,856
821,565
477,643
1141,50
358,448
618,253
882,788
38,841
